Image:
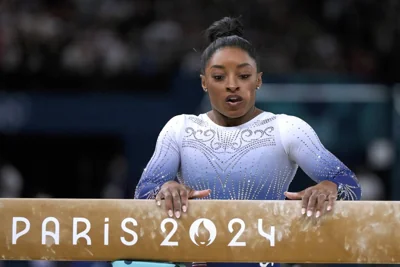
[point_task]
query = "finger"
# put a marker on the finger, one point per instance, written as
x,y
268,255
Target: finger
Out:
x,y
168,202
320,204
184,199
199,194
294,196
331,201
305,200
159,196
312,203
176,199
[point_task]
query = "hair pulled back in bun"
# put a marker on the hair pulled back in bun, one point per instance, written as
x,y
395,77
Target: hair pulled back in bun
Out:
x,y
223,28
226,32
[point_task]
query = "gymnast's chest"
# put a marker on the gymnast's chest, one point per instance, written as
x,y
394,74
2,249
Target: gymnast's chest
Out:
x,y
210,146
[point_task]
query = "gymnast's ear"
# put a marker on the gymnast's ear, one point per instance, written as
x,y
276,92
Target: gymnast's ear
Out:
x,y
259,79
203,82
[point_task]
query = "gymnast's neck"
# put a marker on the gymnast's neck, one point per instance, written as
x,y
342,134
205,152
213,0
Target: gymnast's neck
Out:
x,y
222,120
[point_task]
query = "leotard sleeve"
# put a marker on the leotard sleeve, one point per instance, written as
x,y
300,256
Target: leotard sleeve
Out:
x,y
304,147
164,163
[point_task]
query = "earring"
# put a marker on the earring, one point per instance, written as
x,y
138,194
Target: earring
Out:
x,y
258,87
205,89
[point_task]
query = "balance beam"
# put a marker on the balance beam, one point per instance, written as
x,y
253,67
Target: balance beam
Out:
x,y
211,230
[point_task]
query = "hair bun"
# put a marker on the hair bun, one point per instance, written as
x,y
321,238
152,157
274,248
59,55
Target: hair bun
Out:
x,y
225,27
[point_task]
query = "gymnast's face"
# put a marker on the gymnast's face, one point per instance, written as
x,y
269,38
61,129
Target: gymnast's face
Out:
x,y
231,80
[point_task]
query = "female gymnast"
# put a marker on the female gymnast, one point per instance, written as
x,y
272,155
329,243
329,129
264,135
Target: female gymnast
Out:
x,y
237,151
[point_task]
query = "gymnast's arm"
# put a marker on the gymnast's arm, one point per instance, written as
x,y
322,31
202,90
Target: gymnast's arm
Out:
x,y
164,163
304,147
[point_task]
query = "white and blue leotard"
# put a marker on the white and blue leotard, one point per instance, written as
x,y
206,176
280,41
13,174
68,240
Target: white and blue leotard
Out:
x,y
256,160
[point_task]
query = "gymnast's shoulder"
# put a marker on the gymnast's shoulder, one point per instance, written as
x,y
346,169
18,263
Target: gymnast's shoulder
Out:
x,y
181,121
184,120
291,126
290,119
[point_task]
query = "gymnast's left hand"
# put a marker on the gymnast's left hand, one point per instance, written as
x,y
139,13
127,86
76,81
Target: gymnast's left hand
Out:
x,y
315,197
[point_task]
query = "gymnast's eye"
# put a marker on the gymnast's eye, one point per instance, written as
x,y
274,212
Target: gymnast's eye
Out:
x,y
218,77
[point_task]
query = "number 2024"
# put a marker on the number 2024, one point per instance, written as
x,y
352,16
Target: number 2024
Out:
x,y
234,242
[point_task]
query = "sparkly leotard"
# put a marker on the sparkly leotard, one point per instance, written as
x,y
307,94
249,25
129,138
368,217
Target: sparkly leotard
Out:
x,y
255,160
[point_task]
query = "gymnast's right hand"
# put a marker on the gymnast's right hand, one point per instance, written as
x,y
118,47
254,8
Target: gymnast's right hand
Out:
x,y
176,197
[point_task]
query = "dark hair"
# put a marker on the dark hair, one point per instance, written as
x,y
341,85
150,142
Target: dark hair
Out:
x,y
227,32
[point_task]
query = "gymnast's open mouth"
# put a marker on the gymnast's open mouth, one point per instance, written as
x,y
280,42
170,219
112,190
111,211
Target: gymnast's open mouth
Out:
x,y
234,99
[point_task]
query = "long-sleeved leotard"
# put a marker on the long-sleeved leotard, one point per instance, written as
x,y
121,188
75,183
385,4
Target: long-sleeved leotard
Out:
x,y
256,160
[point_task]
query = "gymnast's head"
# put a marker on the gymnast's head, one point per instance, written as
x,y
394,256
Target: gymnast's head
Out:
x,y
229,69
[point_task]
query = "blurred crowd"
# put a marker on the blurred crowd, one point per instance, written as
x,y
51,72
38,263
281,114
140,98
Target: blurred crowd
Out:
x,y
142,44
